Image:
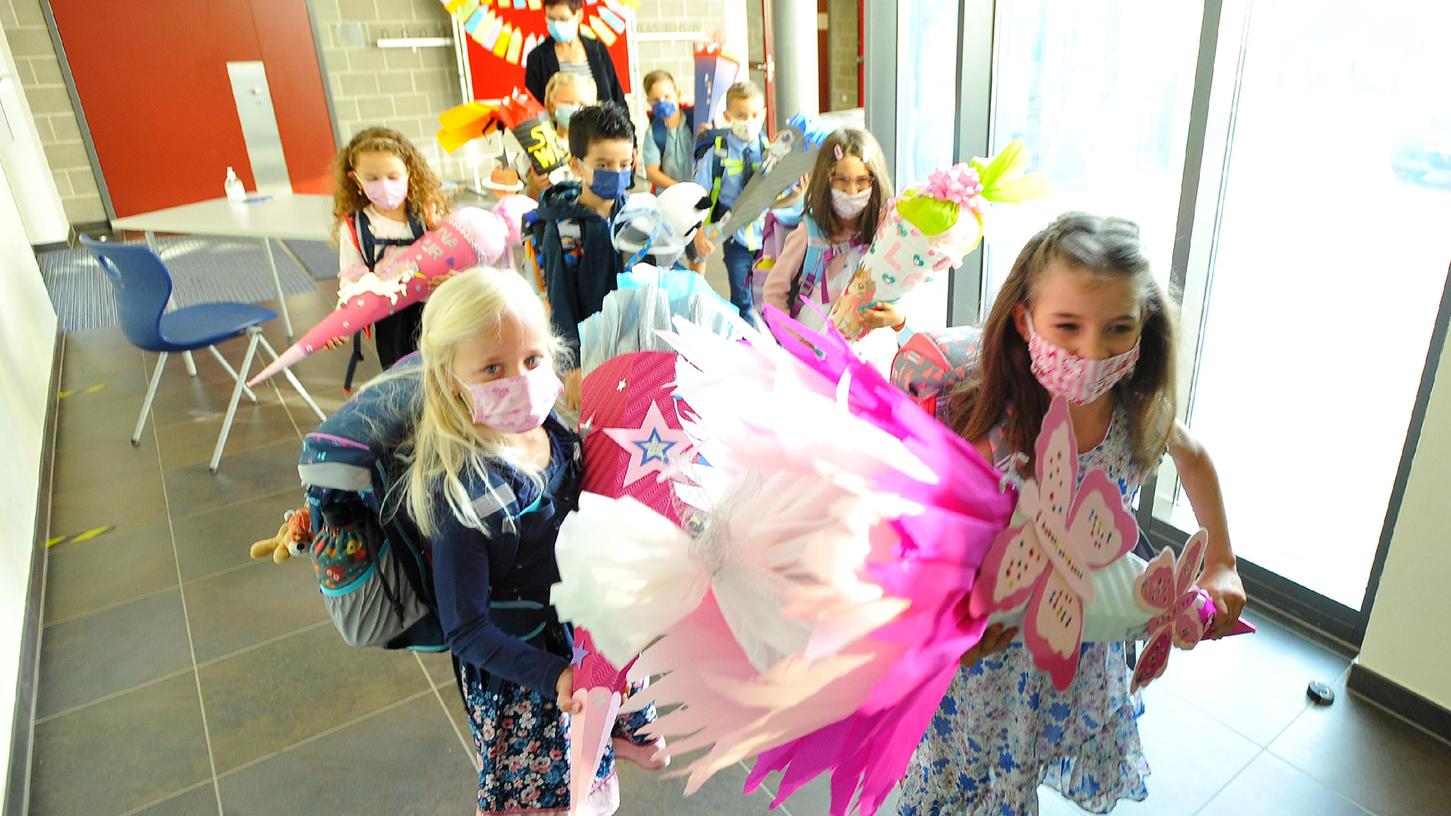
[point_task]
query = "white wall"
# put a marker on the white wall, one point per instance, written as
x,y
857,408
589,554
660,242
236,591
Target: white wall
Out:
x,y
1413,600
27,343
24,160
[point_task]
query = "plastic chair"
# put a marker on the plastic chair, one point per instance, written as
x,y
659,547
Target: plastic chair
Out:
x,y
143,289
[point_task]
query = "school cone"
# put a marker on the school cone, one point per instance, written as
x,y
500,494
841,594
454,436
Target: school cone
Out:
x,y
467,237
600,687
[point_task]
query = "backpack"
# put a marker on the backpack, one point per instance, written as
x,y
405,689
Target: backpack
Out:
x,y
371,248
531,227
714,143
372,566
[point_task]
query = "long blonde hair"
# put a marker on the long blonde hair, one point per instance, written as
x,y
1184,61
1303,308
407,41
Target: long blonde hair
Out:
x,y
1005,389
446,446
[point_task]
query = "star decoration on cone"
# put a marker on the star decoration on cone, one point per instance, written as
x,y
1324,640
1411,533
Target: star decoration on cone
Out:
x,y
654,447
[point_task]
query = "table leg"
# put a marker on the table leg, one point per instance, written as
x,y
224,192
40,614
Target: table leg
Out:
x,y
281,297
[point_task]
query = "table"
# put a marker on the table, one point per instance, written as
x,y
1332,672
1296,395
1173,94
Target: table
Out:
x,y
281,217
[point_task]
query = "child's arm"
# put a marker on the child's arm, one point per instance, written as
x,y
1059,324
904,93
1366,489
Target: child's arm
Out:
x,y
350,260
787,266
650,155
657,177
1201,484
461,582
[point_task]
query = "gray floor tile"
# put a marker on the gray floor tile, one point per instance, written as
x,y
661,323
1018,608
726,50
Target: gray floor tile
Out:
x,y
88,658
136,500
233,610
646,793
440,668
103,456
191,441
405,760
1370,757
120,754
1253,683
1184,778
220,538
244,474
1270,785
199,801
274,696
83,576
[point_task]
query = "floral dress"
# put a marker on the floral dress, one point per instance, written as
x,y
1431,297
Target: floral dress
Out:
x,y
1003,729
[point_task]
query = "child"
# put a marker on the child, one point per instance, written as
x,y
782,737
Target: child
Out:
x,y
494,472
670,144
565,95
849,186
385,196
1080,301
579,261
724,171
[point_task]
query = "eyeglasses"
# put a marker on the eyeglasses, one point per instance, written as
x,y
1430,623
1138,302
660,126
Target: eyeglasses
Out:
x,y
855,185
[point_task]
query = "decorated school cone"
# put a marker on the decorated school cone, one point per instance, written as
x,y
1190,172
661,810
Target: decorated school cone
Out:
x,y
600,688
529,123
466,237
714,73
927,232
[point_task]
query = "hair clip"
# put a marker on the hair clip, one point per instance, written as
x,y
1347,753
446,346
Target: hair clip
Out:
x,y
840,154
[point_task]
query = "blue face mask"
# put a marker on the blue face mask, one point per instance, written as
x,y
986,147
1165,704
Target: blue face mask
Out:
x,y
563,113
611,184
563,30
664,109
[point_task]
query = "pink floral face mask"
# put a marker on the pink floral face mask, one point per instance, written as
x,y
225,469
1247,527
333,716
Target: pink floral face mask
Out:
x,y
517,404
1076,379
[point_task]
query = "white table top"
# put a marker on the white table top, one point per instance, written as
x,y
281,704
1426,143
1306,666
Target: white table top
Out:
x,y
287,216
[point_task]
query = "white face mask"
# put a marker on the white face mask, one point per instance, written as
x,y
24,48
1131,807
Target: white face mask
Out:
x,y
849,205
747,130
1078,380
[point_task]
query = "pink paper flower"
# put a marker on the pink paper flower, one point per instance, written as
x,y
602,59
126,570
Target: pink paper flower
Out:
x,y
959,184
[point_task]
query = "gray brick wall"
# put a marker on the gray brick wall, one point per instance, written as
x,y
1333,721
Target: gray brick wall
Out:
x,y
60,133
401,88
843,41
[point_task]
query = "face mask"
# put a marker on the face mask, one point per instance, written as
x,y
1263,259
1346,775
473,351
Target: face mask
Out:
x,y
563,113
1065,374
517,404
848,205
387,194
747,130
563,30
664,109
611,184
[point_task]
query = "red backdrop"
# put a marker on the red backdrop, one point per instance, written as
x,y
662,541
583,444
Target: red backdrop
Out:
x,y
494,77
152,80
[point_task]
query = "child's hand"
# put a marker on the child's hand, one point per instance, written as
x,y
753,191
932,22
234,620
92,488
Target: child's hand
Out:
x,y
994,640
436,280
704,247
572,383
336,343
881,315
564,687
1222,583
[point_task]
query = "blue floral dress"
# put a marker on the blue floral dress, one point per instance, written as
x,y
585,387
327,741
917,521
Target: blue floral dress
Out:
x,y
1003,729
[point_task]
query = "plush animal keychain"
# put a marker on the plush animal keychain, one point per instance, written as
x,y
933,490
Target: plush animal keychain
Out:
x,y
293,537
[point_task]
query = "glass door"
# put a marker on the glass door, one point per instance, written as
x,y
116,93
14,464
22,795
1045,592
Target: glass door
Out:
x,y
1321,290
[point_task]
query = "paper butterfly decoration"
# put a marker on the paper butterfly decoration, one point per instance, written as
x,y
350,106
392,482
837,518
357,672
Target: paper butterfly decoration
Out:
x,y
1166,588
1048,561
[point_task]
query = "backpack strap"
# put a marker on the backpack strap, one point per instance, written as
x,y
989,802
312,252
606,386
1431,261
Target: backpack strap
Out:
x,y
718,156
660,133
812,274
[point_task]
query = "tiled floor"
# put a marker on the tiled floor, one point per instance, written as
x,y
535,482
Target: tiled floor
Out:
x,y
178,677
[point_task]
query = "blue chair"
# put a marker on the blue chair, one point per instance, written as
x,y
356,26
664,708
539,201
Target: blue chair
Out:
x,y
143,290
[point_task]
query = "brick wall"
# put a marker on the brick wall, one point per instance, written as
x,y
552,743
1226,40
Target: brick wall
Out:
x,y
402,88
50,104
843,41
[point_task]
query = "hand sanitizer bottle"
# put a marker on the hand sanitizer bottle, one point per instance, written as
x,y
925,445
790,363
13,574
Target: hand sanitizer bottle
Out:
x,y
235,190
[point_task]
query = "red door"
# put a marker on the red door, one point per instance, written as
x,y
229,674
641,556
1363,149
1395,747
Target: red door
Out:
x,y
152,79
823,57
